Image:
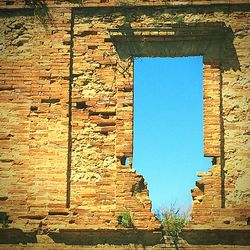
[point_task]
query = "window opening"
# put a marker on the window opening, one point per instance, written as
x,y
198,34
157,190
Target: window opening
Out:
x,y
168,127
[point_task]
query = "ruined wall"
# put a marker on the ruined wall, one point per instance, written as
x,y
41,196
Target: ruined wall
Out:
x,y
67,110
34,132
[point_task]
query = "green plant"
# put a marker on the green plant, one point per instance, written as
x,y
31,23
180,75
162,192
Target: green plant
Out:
x,y
125,220
173,221
4,219
179,19
5,223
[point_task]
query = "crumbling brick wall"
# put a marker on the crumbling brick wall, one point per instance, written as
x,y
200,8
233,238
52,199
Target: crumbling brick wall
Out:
x,y
67,110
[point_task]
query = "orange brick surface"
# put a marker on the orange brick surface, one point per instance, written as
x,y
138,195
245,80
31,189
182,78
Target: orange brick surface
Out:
x,y
66,105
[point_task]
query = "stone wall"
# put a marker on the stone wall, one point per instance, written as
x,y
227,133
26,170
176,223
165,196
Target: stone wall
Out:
x,y
66,99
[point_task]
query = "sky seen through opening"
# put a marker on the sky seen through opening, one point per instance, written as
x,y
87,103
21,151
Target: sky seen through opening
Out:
x,y
168,127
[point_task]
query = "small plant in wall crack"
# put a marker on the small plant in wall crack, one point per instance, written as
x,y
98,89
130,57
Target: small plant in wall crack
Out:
x,y
179,19
5,223
173,221
4,220
125,220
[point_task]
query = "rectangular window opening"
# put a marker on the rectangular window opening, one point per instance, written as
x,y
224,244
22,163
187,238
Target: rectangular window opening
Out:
x,y
168,127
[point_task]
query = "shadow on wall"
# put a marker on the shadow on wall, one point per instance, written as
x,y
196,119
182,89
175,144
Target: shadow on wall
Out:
x,y
130,236
84,237
16,236
37,8
216,236
40,10
213,40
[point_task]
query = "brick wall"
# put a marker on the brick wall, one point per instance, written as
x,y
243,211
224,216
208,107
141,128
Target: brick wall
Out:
x,y
67,108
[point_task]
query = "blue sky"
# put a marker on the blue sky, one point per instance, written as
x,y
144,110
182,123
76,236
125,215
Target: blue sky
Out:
x,y
168,127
